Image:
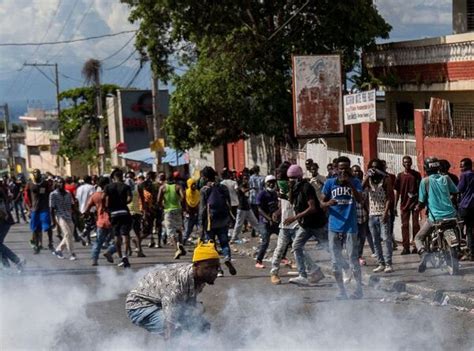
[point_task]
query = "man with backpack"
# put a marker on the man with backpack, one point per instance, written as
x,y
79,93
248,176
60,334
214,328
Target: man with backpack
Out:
x,y
214,214
435,193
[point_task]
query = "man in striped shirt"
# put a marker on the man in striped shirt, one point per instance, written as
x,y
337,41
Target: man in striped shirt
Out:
x,y
61,204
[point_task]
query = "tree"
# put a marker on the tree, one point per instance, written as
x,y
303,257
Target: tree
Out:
x,y
239,58
79,124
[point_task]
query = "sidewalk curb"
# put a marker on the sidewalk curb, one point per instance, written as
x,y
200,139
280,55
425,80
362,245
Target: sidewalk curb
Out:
x,y
383,282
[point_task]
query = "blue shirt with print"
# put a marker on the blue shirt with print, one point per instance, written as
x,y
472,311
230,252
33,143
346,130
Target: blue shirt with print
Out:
x,y
343,215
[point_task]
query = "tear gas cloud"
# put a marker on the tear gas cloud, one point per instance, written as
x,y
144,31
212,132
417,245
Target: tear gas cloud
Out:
x,y
47,313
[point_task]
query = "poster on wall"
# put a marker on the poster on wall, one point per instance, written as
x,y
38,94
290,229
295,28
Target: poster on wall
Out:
x,y
317,96
360,107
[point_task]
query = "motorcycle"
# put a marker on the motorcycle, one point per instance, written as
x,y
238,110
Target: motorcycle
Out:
x,y
444,245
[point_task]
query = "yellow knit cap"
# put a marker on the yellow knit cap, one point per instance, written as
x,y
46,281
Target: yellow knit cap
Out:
x,y
205,251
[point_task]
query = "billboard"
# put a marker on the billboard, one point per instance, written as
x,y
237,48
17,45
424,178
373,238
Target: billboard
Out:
x,y
360,107
317,96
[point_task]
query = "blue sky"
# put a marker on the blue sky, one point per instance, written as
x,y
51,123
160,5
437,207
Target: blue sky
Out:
x,y
51,20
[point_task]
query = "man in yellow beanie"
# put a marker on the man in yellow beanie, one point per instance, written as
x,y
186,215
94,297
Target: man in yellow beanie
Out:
x,y
164,302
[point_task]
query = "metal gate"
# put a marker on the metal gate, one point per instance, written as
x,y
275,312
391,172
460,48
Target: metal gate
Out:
x,y
392,147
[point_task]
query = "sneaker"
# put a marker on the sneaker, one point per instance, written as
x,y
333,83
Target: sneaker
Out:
x,y
315,276
151,244
414,251
374,255
388,269
346,275
182,249
36,250
422,265
20,266
299,280
51,246
58,254
230,267
379,268
108,257
220,273
95,262
259,265
124,263
275,279
73,257
405,251
362,261
177,254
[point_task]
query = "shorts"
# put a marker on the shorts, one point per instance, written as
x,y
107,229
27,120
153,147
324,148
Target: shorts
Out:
x,y
121,225
173,222
40,221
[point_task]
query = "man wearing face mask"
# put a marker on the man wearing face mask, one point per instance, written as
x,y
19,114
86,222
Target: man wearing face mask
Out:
x,y
267,201
380,191
311,220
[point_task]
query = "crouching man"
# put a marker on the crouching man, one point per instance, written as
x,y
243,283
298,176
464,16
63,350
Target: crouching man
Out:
x,y
164,302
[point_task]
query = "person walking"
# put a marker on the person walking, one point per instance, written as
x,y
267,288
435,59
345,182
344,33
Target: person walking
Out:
x,y
83,194
192,201
61,204
406,188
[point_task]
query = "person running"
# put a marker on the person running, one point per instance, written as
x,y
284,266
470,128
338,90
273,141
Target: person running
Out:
x,y
435,193
117,196
244,211
170,199
380,190
267,205
83,194
97,202
36,197
214,214
61,205
7,255
192,200
363,218
164,301
406,188
466,203
340,196
311,221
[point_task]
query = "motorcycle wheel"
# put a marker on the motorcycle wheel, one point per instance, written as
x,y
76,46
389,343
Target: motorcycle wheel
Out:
x,y
452,262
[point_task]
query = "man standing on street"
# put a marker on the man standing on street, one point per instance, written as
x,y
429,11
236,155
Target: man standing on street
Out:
x,y
340,195
61,204
317,180
244,211
37,201
466,202
83,194
406,187
164,302
117,197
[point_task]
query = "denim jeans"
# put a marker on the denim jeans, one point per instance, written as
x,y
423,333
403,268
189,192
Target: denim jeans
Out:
x,y
189,224
151,318
5,253
101,238
336,244
221,234
243,215
363,233
301,237
380,231
266,231
19,210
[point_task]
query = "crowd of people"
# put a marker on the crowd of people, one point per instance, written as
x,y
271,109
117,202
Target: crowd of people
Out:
x,y
341,211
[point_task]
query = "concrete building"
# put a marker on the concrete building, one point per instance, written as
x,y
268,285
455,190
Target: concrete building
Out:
x,y
42,144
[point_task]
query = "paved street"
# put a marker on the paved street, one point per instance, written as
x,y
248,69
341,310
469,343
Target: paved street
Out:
x,y
64,305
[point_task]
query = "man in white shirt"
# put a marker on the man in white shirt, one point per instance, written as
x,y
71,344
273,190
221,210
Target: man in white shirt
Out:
x,y
83,194
231,185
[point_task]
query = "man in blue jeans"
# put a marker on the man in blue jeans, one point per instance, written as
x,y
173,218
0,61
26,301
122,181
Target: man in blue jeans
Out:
x,y
311,221
164,301
340,195
214,214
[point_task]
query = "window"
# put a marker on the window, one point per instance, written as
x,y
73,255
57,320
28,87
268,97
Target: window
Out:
x,y
405,118
470,15
33,150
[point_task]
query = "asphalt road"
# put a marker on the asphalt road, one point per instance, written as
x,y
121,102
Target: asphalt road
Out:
x,y
62,305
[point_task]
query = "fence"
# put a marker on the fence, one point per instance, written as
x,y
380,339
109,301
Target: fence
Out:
x,y
393,147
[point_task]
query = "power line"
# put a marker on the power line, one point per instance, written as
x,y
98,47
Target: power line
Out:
x,y
69,41
119,50
121,63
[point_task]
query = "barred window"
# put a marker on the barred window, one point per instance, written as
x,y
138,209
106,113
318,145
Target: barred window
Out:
x,y
470,15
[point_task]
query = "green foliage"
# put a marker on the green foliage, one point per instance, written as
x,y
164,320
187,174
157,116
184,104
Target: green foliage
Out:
x,y
239,58
78,122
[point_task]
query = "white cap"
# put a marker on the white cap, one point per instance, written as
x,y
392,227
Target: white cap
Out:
x,y
269,178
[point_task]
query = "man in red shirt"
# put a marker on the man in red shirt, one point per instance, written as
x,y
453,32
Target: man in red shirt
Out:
x,y
406,188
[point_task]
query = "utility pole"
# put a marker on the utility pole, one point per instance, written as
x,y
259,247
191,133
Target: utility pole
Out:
x,y
8,139
100,116
157,120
